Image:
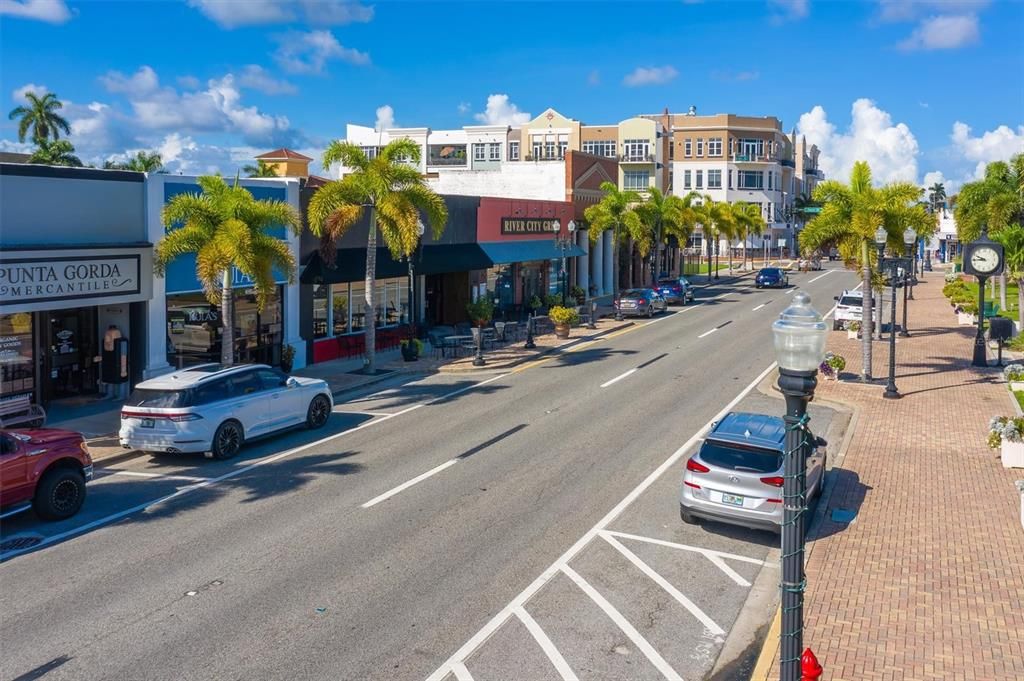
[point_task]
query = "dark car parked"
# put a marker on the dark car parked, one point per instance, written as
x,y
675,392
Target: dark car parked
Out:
x,y
771,277
675,290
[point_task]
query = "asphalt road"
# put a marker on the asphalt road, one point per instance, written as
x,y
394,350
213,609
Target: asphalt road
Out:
x,y
447,527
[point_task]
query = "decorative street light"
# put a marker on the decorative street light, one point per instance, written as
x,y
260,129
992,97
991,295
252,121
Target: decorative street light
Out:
x,y
563,244
891,265
799,337
412,278
529,320
909,239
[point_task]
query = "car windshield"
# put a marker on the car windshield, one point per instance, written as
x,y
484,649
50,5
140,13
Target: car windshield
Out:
x,y
770,272
635,293
145,397
738,457
851,301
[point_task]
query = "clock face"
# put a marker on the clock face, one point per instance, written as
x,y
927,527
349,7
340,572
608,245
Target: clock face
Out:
x,y
985,259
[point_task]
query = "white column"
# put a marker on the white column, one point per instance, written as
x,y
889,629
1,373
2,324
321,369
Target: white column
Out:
x,y
156,307
609,275
598,264
583,261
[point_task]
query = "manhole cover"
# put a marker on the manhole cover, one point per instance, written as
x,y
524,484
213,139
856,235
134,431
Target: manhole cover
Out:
x,y
19,543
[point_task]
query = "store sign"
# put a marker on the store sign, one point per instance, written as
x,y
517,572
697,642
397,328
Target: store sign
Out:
x,y
46,279
527,225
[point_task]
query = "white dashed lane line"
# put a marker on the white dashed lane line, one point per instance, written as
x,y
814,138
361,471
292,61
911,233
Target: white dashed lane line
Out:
x,y
618,378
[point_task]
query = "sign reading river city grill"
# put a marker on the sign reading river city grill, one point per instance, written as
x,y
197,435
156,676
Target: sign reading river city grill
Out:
x,y
37,280
527,225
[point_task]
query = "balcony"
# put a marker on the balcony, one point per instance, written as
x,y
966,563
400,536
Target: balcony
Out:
x,y
544,157
636,158
788,163
750,158
435,161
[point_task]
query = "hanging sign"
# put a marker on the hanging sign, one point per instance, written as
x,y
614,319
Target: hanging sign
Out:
x,y
45,279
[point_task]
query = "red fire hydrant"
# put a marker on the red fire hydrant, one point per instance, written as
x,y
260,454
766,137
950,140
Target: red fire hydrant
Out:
x,y
810,670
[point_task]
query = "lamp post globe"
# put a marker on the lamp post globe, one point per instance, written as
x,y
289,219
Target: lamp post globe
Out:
x,y
881,236
799,338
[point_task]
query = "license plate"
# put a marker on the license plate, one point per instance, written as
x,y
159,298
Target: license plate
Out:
x,y
147,423
730,499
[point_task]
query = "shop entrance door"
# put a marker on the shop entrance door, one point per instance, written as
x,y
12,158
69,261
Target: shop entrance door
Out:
x,y
71,344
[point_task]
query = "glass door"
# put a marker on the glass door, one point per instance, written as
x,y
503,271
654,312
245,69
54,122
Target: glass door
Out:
x,y
71,346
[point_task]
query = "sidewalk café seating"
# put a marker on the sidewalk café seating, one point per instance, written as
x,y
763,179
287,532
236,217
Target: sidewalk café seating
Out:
x,y
18,410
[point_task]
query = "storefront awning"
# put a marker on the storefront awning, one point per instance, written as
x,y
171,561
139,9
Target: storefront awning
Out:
x,y
350,265
502,252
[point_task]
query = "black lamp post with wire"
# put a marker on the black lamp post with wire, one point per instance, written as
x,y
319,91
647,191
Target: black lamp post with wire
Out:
x,y
889,265
412,258
799,337
563,242
909,239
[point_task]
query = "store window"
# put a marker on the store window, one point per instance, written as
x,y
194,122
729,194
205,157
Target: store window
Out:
x,y
500,281
348,301
714,179
513,151
321,299
195,327
17,360
636,180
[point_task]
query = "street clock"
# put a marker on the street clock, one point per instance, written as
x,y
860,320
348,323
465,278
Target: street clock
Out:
x,y
984,257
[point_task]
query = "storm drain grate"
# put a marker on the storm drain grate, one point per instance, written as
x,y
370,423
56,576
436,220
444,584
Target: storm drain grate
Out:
x,y
19,544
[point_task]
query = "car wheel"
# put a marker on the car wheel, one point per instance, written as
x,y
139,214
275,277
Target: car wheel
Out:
x,y
650,311
837,326
60,494
687,518
318,413
227,441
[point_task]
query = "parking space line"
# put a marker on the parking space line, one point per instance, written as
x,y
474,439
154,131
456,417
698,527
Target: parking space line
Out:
x,y
708,623
409,483
618,378
106,472
628,629
563,668
461,673
716,557
828,272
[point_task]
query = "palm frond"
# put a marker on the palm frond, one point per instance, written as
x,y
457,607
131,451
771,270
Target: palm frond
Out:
x,y
347,154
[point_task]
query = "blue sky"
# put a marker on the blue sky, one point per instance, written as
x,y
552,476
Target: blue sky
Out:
x,y
916,87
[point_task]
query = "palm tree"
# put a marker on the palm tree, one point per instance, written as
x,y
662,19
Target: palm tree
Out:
x,y
141,162
665,216
748,222
226,228
936,195
615,211
716,220
40,115
848,219
394,193
57,153
261,169
1012,239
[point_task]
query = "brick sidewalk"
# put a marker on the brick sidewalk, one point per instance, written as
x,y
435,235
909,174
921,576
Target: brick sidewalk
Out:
x,y
928,582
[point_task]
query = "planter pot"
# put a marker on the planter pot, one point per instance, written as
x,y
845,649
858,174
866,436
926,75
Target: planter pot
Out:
x,y
1016,386
499,328
561,330
1012,454
964,319
851,334
409,353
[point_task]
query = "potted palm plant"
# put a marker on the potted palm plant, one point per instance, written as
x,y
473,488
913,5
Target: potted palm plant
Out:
x,y
287,358
412,348
563,318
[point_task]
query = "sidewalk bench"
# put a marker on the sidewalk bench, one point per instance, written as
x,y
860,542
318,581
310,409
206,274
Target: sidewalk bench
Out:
x,y
21,410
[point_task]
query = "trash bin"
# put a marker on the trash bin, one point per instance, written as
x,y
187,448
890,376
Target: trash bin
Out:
x,y
1000,329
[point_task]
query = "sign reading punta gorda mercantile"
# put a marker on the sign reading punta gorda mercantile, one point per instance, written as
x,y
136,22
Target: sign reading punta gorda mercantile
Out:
x,y
28,280
527,225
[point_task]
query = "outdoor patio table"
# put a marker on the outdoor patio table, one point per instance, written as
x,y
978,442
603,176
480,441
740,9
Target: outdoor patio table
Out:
x,y
453,342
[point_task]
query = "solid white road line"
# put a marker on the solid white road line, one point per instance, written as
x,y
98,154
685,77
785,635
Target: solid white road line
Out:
x,y
628,629
708,333
618,378
759,307
561,666
708,623
461,673
139,474
409,483
825,274
526,594
793,290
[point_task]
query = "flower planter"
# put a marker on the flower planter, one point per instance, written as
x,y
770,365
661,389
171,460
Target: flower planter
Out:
x,y
1016,386
851,334
409,353
1012,454
964,319
561,331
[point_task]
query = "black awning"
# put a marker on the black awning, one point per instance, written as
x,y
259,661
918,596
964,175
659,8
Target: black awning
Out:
x,y
350,265
451,258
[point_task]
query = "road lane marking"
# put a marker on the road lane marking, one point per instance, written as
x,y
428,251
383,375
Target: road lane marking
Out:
x,y
708,333
716,557
628,629
561,666
793,290
827,272
701,616
461,673
618,378
362,413
760,306
409,483
106,472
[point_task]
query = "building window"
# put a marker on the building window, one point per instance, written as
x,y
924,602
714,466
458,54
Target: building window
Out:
x,y
17,354
714,179
600,148
700,179
636,150
446,155
563,146
715,146
637,180
750,179
371,152
321,301
513,151
729,173
770,174
549,150
671,151
537,147
494,151
686,179
687,148
194,328
700,146
751,149
349,304
479,152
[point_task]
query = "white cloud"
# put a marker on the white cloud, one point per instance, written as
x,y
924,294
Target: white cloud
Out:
x,y
890,150
309,52
50,11
500,111
909,10
258,78
188,82
944,32
234,13
385,118
463,108
650,75
789,9
993,145
18,95
141,83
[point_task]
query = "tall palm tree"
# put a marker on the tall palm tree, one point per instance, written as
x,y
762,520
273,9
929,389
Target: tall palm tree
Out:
x,y
261,169
936,195
616,211
40,115
1012,239
848,219
57,153
226,228
748,222
666,216
995,202
716,220
393,192
141,162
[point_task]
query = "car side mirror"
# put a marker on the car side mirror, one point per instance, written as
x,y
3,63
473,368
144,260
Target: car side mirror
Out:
x,y
292,382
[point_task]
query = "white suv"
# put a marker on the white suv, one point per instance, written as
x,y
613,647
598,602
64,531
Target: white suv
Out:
x,y
211,408
849,308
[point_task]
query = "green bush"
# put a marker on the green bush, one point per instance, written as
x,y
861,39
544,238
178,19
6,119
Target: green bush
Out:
x,y
481,310
553,299
416,343
564,315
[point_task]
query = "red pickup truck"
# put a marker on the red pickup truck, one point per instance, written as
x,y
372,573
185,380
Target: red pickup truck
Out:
x,y
45,469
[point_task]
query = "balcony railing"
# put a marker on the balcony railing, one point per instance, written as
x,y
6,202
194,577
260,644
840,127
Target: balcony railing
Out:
x,y
637,158
788,163
544,157
446,161
753,158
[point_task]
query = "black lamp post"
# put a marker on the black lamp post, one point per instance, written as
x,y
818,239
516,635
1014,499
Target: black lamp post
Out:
x,y
412,278
716,252
529,320
563,243
890,265
799,337
909,239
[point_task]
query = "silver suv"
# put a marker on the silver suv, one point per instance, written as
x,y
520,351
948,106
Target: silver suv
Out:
x,y
849,308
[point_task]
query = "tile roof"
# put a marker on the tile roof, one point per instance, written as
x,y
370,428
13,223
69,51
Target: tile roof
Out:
x,y
283,153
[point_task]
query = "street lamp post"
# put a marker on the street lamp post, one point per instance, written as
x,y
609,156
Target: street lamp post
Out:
x,y
891,265
717,244
909,239
563,244
799,337
529,319
412,278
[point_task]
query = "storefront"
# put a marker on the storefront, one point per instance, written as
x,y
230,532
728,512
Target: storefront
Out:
x,y
75,278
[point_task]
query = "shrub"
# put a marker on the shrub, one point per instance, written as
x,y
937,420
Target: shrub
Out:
x,y
832,365
564,315
1004,428
535,302
954,288
416,343
968,308
553,299
481,310
1013,372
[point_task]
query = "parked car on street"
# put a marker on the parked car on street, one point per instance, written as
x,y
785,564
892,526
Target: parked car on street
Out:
x,y
849,308
675,290
641,302
771,277
736,475
213,408
44,469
